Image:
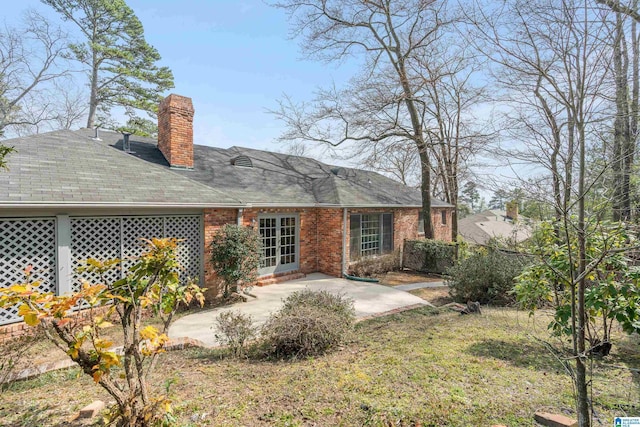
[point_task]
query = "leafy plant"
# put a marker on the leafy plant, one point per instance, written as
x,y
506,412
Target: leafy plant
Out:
x,y
429,256
235,256
235,329
486,276
309,323
611,286
151,284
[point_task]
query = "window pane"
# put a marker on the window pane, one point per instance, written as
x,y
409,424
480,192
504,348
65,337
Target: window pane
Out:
x,y
421,222
370,229
387,233
354,244
443,215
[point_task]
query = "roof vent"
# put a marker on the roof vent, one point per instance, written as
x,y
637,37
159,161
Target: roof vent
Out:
x,y
126,144
339,172
96,135
242,161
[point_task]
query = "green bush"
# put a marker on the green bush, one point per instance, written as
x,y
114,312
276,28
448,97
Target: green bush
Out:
x,y
235,329
235,255
486,276
308,324
376,266
429,256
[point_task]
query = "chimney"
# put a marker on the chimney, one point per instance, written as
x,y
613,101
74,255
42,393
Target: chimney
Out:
x,y
175,131
512,210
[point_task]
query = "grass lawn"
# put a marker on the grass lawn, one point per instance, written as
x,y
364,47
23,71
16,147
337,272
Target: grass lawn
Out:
x,y
419,367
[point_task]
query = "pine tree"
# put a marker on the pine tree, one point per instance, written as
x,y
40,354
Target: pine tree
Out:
x,y
122,66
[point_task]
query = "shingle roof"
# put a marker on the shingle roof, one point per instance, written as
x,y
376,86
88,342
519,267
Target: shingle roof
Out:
x,y
71,166
483,226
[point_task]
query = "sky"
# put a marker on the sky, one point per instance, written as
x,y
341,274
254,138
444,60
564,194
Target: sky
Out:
x,y
233,58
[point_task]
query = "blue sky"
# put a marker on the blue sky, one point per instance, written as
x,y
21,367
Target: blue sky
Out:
x,y
233,58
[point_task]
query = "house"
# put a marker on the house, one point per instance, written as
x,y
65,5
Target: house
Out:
x,y
506,226
71,195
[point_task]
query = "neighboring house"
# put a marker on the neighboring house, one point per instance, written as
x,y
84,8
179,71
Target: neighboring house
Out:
x,y
69,195
506,226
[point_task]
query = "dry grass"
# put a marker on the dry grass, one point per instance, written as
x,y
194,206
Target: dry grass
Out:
x,y
413,368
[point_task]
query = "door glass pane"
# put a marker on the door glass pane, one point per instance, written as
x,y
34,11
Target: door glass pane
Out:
x,y
268,235
287,240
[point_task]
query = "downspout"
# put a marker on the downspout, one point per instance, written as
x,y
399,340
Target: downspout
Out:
x,y
344,242
344,253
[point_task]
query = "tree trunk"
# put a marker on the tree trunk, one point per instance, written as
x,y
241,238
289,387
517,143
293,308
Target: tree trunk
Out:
x,y
584,416
425,168
93,97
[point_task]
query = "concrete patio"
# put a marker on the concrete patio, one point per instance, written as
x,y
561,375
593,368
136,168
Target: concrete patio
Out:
x,y
369,299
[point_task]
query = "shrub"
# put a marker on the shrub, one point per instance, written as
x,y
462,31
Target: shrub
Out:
x,y
235,255
375,266
486,276
309,323
429,256
235,329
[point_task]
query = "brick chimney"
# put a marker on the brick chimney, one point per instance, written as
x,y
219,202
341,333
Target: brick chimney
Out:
x,y
175,130
512,210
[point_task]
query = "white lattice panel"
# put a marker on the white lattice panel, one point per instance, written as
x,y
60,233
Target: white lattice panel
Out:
x,y
134,229
97,238
26,242
120,237
190,250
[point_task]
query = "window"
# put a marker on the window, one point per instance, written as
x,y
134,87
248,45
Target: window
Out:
x,y
443,216
371,234
421,222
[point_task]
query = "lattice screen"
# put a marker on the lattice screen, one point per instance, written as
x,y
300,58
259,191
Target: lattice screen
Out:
x,y
134,229
26,242
120,237
97,238
190,250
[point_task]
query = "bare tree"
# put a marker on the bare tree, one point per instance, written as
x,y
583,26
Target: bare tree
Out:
x,y
626,72
398,159
554,63
385,101
29,59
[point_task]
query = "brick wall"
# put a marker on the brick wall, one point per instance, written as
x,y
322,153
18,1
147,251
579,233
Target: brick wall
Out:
x,y
307,229
175,130
441,231
330,241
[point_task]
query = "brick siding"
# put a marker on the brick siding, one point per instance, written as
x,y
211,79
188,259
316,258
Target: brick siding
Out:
x,y
175,130
442,231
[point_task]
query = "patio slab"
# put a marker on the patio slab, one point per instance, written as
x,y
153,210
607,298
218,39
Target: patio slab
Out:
x,y
370,299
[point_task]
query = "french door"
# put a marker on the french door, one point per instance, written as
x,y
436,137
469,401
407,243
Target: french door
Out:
x,y
280,243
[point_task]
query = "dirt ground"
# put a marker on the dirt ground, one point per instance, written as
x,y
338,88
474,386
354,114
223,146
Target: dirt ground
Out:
x,y
396,278
436,296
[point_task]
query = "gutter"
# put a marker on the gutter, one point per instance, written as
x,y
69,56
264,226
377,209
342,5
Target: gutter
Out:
x,y
116,205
